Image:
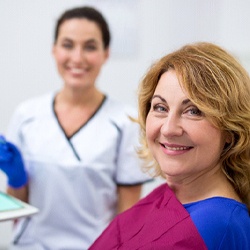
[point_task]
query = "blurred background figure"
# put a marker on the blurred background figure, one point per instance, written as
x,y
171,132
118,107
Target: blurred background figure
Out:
x,y
71,153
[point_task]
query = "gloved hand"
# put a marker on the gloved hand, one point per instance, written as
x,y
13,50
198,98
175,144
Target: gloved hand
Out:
x,y
11,163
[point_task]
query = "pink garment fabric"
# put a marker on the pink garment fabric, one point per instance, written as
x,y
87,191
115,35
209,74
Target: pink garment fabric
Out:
x,y
158,221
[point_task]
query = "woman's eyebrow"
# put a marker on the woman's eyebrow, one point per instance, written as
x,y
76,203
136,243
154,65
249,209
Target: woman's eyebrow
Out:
x,y
184,102
158,96
91,40
66,39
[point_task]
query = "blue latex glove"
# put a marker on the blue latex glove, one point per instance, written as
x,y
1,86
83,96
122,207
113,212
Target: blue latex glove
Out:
x,y
11,163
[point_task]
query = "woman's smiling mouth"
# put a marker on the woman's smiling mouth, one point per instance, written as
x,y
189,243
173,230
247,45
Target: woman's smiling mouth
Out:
x,y
175,147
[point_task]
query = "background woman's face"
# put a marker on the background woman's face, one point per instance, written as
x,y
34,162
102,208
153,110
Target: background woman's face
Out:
x,y
182,140
79,52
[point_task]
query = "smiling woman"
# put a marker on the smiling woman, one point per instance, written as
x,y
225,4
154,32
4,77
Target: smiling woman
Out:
x,y
179,134
79,52
73,154
194,113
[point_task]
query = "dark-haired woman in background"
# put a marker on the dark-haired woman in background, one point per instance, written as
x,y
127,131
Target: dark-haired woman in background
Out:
x,y
77,161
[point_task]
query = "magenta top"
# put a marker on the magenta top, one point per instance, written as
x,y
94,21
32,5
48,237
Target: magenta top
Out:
x,y
158,221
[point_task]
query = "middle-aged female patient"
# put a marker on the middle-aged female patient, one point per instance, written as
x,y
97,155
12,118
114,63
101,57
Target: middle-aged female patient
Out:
x,y
194,112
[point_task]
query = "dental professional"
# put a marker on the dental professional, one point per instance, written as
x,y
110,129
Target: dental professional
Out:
x,y
71,153
194,113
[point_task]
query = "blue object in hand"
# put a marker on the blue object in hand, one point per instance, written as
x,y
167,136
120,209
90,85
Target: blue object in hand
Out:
x,y
11,163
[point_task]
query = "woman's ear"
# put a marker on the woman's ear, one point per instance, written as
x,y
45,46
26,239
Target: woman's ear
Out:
x,y
228,137
107,53
53,50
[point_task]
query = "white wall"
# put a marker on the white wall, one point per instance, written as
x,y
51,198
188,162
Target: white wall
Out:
x,y
155,27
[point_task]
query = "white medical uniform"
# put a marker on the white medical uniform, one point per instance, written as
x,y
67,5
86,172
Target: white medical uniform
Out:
x,y
73,181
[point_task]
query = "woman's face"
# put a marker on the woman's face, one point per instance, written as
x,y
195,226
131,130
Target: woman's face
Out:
x,y
182,140
79,52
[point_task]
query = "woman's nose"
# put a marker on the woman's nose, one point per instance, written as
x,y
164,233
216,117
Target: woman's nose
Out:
x,y
77,55
172,126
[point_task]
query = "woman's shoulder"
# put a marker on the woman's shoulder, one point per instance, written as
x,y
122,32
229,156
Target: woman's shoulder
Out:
x,y
36,101
33,107
35,104
221,221
121,114
216,206
29,111
117,107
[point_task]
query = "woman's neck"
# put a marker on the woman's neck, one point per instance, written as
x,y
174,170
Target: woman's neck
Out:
x,y
202,187
76,97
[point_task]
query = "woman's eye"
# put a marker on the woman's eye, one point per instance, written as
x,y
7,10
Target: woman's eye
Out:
x,y
159,108
195,111
90,48
67,45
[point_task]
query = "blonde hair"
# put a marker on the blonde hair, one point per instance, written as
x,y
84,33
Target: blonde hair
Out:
x,y
220,87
